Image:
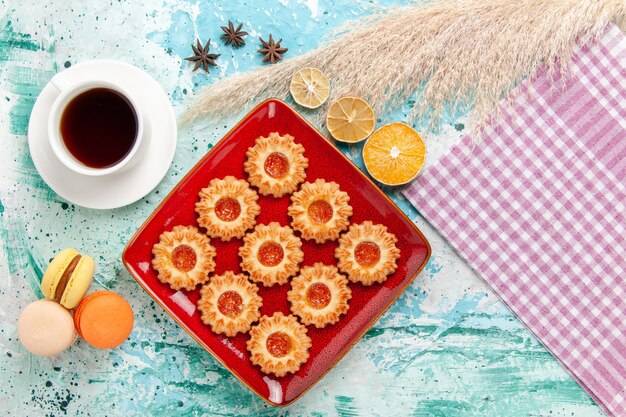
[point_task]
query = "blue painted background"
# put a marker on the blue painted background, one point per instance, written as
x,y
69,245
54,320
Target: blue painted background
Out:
x,y
447,347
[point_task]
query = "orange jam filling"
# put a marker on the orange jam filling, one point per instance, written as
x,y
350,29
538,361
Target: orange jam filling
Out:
x,y
278,344
320,211
318,295
276,165
230,304
367,253
227,209
270,253
184,258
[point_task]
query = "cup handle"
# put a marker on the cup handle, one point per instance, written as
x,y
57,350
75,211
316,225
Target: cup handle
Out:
x,y
61,81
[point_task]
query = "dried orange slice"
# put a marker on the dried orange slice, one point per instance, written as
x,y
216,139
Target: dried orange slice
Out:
x,y
350,119
394,154
309,87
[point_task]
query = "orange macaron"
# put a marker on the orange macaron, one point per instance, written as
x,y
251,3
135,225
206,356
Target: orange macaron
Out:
x,y
104,319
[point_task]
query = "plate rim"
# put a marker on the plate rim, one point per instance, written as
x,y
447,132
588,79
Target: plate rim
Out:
x,y
192,170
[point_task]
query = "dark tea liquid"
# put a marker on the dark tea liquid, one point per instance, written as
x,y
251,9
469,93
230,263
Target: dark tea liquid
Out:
x,y
99,127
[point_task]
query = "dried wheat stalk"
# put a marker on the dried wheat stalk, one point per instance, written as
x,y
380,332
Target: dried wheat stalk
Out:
x,y
451,51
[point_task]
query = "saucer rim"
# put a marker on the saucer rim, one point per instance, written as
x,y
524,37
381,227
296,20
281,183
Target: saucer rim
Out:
x,y
170,138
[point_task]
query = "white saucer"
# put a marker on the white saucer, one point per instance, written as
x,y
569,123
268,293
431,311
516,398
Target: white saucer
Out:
x,y
122,188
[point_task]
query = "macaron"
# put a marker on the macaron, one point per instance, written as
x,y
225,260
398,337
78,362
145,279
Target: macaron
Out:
x,y
45,328
68,278
104,319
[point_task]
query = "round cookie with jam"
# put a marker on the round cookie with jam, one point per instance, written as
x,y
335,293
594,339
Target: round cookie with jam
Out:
x,y
320,210
279,344
319,295
183,258
229,303
276,164
227,208
367,253
271,254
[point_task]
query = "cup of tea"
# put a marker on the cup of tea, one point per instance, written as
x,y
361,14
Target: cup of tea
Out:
x,y
96,127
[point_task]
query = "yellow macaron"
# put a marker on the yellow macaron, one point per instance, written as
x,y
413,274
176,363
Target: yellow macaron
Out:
x,y
68,278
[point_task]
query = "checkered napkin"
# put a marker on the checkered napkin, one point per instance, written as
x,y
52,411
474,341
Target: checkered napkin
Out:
x,y
537,206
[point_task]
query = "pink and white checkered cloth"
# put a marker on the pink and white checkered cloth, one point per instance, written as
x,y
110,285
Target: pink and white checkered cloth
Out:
x,y
538,208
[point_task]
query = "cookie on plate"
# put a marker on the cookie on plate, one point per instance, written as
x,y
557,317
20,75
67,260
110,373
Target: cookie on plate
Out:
x,y
319,295
367,253
276,164
279,344
183,258
271,254
227,208
229,303
320,210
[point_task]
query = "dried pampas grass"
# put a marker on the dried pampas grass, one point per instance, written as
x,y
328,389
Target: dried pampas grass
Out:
x,y
451,53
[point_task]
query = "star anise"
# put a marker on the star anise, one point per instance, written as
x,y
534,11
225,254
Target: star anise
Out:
x,y
272,50
234,36
202,57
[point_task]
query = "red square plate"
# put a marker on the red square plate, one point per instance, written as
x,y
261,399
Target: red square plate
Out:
x,y
325,161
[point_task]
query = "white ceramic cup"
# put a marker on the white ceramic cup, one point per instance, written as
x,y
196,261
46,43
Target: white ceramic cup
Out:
x,y
68,90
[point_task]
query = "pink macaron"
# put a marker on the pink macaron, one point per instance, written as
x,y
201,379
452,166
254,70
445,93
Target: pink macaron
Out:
x,y
46,328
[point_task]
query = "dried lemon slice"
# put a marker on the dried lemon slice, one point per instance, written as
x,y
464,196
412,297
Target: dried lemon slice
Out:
x,y
309,87
394,154
350,119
